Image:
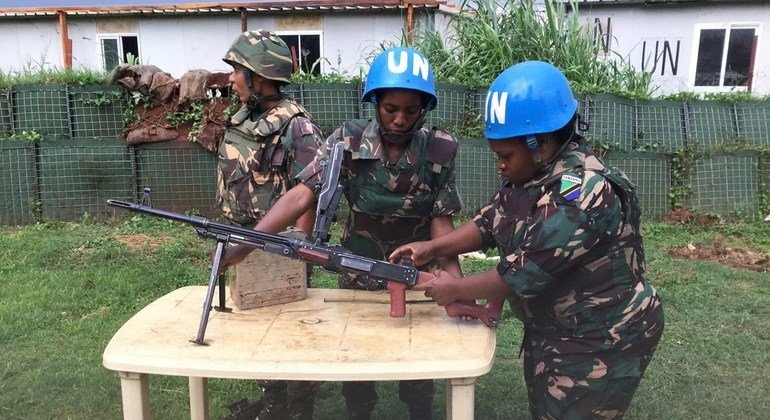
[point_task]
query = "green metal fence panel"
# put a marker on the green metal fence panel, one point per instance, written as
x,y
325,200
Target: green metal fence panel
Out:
x,y
452,107
650,172
78,176
295,91
726,184
5,114
711,123
477,177
478,98
17,183
611,121
661,125
754,122
42,108
331,104
97,112
182,176
765,173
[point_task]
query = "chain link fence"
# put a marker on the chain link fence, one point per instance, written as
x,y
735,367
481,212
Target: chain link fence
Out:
x,y
73,159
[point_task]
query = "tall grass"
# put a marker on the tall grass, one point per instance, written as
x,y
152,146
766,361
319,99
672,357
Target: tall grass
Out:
x,y
39,71
493,35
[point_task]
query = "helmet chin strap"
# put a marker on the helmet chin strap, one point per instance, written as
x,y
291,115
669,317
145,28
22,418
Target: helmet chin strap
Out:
x,y
253,103
399,138
534,149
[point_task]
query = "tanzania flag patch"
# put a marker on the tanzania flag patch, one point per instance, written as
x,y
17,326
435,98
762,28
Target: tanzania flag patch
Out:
x,y
570,186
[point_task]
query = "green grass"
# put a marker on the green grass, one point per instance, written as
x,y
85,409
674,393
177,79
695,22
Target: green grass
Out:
x,y
68,287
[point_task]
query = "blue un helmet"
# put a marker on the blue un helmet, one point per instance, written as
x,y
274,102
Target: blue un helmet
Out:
x,y
401,68
528,98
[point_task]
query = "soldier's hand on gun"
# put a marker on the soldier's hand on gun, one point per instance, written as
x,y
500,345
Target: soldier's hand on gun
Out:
x,y
420,253
442,288
231,255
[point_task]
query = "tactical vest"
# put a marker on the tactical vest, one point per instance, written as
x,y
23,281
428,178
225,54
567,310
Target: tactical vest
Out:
x,y
370,190
253,162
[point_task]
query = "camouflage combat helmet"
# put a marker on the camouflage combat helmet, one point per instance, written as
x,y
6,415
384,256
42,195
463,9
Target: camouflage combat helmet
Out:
x,y
262,52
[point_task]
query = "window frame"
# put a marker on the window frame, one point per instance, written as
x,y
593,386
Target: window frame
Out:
x,y
727,27
116,36
299,34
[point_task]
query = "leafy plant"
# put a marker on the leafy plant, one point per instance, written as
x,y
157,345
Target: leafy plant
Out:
x,y
30,136
104,98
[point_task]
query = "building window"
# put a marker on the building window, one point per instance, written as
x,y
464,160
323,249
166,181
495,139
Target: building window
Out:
x,y
118,49
305,48
725,57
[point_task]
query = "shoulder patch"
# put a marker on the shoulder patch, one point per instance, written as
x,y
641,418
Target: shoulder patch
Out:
x,y
443,147
570,186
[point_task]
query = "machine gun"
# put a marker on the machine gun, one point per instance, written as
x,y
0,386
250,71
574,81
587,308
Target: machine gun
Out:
x,y
334,259
330,192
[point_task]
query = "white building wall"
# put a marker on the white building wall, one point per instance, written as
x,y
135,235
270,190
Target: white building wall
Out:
x,y
28,44
352,41
636,32
178,44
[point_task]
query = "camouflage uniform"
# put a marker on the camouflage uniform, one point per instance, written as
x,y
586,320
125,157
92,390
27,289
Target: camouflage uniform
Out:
x,y
574,263
390,205
258,161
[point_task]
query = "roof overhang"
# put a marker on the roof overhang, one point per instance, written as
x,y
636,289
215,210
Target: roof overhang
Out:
x,y
224,8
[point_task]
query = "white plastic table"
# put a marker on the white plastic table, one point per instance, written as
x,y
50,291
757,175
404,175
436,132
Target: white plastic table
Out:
x,y
333,335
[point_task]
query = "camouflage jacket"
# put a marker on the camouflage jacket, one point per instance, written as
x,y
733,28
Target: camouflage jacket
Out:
x,y
572,251
390,205
260,158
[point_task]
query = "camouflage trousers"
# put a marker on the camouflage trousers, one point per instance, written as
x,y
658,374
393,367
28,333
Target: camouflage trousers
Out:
x,y
290,400
361,396
566,384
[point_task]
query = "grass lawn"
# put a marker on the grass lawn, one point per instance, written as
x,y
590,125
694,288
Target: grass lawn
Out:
x,y
68,287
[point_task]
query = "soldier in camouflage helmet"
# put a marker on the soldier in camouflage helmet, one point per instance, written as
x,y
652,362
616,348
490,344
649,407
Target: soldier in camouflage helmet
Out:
x,y
267,143
399,180
568,231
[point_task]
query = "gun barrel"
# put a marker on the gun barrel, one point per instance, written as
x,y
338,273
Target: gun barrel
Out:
x,y
332,259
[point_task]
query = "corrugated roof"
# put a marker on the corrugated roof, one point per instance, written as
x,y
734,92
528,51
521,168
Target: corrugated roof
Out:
x,y
122,7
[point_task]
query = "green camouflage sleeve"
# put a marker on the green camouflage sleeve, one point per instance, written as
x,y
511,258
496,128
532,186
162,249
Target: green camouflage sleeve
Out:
x,y
306,140
448,200
561,232
484,219
311,174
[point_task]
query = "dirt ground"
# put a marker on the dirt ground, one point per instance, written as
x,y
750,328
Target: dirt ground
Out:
x,y
741,258
141,241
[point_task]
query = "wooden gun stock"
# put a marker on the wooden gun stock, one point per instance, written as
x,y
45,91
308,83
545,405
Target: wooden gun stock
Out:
x,y
488,313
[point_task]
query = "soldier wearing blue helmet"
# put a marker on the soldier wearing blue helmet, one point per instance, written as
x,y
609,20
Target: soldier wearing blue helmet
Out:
x,y
568,232
399,179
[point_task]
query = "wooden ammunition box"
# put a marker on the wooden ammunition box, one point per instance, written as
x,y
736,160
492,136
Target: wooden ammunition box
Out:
x,y
264,279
